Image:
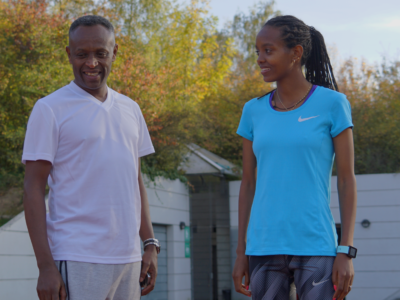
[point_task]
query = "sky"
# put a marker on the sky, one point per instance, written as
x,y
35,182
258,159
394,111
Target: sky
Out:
x,y
366,29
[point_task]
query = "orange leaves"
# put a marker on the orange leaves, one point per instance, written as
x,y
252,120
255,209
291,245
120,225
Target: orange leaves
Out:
x,y
171,61
32,64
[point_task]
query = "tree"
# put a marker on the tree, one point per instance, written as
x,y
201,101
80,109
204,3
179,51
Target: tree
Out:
x,y
190,80
185,63
374,94
169,67
32,65
222,110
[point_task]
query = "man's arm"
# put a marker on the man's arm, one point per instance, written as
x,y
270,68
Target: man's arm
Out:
x,y
149,259
50,284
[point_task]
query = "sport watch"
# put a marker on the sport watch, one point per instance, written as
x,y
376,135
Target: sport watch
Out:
x,y
154,242
348,250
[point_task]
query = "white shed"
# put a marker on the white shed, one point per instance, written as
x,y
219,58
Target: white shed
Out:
x,y
169,206
377,266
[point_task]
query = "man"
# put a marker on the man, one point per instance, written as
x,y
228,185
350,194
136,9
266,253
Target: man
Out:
x,y
87,140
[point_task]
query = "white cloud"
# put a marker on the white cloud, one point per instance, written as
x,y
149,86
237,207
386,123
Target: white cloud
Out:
x,y
393,24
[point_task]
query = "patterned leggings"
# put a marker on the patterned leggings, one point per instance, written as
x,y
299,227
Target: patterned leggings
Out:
x,y
271,276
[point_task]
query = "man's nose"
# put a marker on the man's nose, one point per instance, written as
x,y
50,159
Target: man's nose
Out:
x,y
91,61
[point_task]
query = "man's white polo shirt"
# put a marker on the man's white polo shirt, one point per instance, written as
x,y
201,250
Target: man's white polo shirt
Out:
x,y
94,202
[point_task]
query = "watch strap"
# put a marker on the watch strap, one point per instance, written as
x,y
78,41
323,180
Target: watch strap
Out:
x,y
348,250
343,249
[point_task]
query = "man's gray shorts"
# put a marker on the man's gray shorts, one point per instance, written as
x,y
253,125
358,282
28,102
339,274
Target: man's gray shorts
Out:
x,y
87,281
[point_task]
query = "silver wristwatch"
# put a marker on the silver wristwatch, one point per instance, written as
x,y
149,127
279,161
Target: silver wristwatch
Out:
x,y
154,242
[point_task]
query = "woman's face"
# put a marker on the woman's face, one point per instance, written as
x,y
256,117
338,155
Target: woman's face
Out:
x,y
274,58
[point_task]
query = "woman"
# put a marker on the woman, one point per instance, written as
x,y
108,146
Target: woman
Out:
x,y
291,136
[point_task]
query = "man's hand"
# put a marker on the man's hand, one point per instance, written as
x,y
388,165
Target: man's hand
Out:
x,y
240,270
149,265
342,275
50,284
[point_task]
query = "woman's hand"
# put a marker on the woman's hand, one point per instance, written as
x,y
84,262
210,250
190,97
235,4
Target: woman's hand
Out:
x,y
342,275
241,269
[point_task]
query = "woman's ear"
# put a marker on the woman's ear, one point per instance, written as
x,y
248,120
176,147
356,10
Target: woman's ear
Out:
x,y
297,52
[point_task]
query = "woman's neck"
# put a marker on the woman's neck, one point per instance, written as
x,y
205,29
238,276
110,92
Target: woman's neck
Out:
x,y
292,88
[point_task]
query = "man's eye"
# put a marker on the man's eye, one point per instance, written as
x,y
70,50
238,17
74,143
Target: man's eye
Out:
x,y
102,54
257,52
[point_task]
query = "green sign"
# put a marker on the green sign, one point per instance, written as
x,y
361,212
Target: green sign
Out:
x,y
187,241
187,250
187,234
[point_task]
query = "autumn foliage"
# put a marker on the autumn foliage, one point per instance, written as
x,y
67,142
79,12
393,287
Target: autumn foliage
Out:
x,y
32,65
374,94
190,79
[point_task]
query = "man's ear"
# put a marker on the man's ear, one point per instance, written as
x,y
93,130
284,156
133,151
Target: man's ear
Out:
x,y
68,50
115,50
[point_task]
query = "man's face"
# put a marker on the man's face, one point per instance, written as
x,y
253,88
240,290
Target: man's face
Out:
x,y
91,52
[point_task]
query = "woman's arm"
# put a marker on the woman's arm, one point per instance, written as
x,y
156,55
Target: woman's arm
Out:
x,y
343,272
246,195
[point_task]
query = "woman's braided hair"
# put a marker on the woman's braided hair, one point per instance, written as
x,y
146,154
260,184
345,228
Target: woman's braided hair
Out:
x,y
315,58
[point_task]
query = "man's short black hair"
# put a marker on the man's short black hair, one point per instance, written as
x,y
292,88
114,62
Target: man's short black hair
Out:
x,y
91,20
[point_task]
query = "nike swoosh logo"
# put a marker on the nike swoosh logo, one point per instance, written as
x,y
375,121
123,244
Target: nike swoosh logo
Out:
x,y
318,283
305,119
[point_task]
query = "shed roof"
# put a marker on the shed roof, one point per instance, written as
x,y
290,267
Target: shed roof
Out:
x,y
202,161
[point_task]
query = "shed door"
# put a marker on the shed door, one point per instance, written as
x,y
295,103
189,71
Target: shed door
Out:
x,y
160,291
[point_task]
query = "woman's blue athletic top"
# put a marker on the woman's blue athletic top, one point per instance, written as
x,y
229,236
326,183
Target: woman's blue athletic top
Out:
x,y
294,151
